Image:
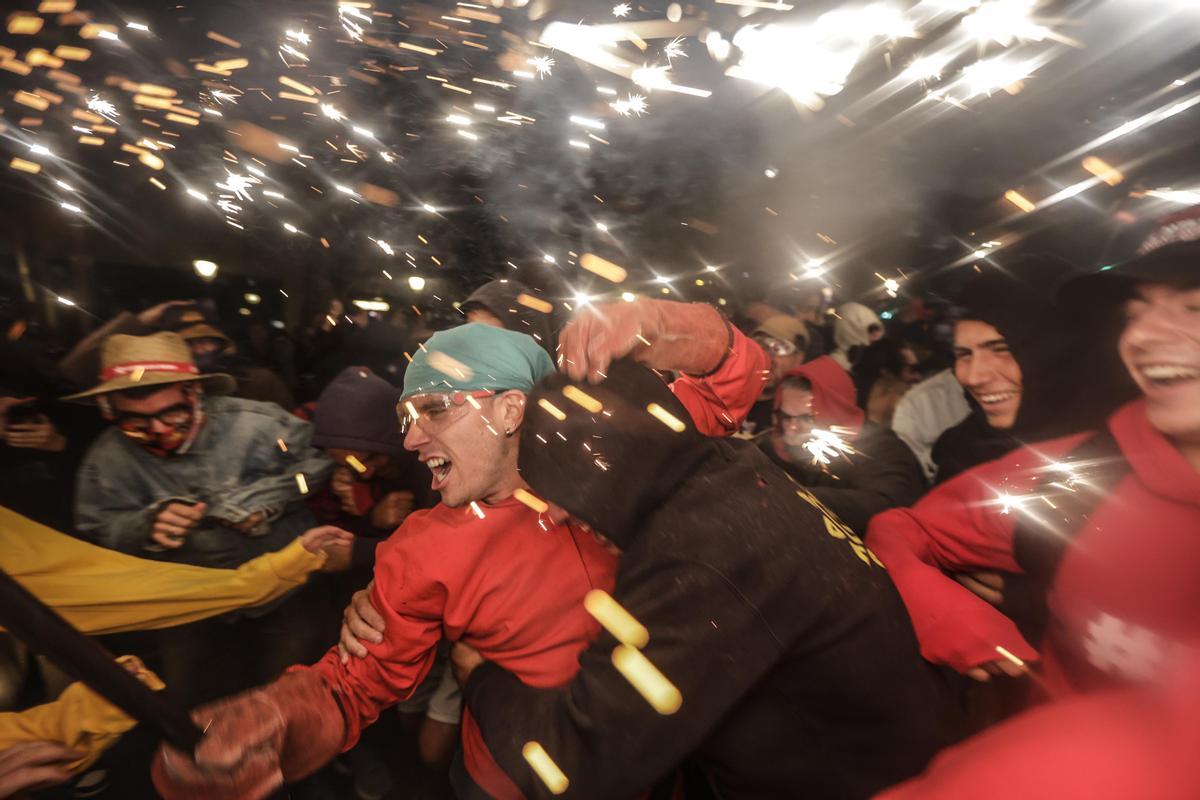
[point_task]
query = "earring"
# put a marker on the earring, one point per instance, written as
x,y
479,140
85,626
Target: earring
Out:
x,y
508,433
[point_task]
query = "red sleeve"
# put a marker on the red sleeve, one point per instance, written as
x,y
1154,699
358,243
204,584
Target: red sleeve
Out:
x,y
412,605
960,526
1108,746
718,403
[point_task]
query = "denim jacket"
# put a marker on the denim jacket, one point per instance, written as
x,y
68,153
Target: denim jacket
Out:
x,y
235,465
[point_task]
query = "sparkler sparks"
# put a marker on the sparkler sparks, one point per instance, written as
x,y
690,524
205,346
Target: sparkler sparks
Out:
x,y
1004,21
621,10
674,49
543,65
992,74
332,112
102,107
634,104
651,77
825,445
239,185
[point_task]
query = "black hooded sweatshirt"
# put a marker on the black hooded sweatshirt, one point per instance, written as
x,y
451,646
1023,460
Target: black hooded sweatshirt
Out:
x,y
798,668
1072,378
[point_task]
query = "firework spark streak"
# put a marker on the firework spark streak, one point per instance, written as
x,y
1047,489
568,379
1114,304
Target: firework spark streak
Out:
x,y
825,445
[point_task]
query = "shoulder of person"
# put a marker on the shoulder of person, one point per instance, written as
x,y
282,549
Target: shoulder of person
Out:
x,y
105,445
240,405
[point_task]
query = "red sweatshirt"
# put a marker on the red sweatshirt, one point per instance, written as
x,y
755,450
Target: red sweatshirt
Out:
x,y
719,402
1111,745
504,584
1125,593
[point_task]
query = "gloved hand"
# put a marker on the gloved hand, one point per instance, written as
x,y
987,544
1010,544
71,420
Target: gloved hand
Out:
x,y
255,742
682,337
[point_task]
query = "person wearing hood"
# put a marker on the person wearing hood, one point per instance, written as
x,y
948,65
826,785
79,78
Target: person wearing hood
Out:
x,y
376,483
1021,359
862,468
1101,523
783,340
856,328
498,303
790,668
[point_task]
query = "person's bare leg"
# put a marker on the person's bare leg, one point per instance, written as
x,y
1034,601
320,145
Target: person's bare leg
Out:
x,y
436,742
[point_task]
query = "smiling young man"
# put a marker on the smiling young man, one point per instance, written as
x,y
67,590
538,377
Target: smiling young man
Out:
x,y
186,475
1102,523
1020,358
1118,563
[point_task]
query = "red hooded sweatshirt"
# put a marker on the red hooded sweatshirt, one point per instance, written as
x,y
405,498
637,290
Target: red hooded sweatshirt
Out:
x,y
1124,594
834,398
1111,745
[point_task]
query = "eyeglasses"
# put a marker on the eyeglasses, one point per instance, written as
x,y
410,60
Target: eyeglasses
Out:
x,y
434,412
795,419
777,348
174,416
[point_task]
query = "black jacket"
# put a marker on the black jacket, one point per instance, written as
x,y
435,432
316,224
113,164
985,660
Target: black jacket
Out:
x,y
797,665
882,473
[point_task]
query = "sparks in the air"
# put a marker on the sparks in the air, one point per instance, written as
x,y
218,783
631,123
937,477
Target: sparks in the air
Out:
x,y
543,65
299,36
332,112
828,444
239,185
104,108
651,77
621,10
674,49
634,104
1004,21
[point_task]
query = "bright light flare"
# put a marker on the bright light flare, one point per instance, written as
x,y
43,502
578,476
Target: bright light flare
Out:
x,y
992,74
1004,22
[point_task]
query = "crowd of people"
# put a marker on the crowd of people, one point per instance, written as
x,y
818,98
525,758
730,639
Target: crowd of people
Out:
x,y
801,551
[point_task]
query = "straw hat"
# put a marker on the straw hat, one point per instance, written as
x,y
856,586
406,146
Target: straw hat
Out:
x,y
134,362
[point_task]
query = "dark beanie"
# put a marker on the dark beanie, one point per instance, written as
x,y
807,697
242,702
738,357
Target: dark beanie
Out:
x,y
500,297
357,411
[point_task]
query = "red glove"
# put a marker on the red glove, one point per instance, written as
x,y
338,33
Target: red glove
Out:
x,y
255,742
682,337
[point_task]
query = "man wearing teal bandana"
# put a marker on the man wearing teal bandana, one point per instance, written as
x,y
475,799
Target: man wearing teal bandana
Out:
x,y
464,398
482,567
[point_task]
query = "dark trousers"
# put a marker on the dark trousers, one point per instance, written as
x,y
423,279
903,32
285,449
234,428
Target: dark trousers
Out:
x,y
203,661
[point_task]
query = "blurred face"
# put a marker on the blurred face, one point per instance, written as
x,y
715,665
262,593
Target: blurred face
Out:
x,y
908,372
783,356
161,422
370,462
794,419
464,444
986,368
1161,349
205,347
484,317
